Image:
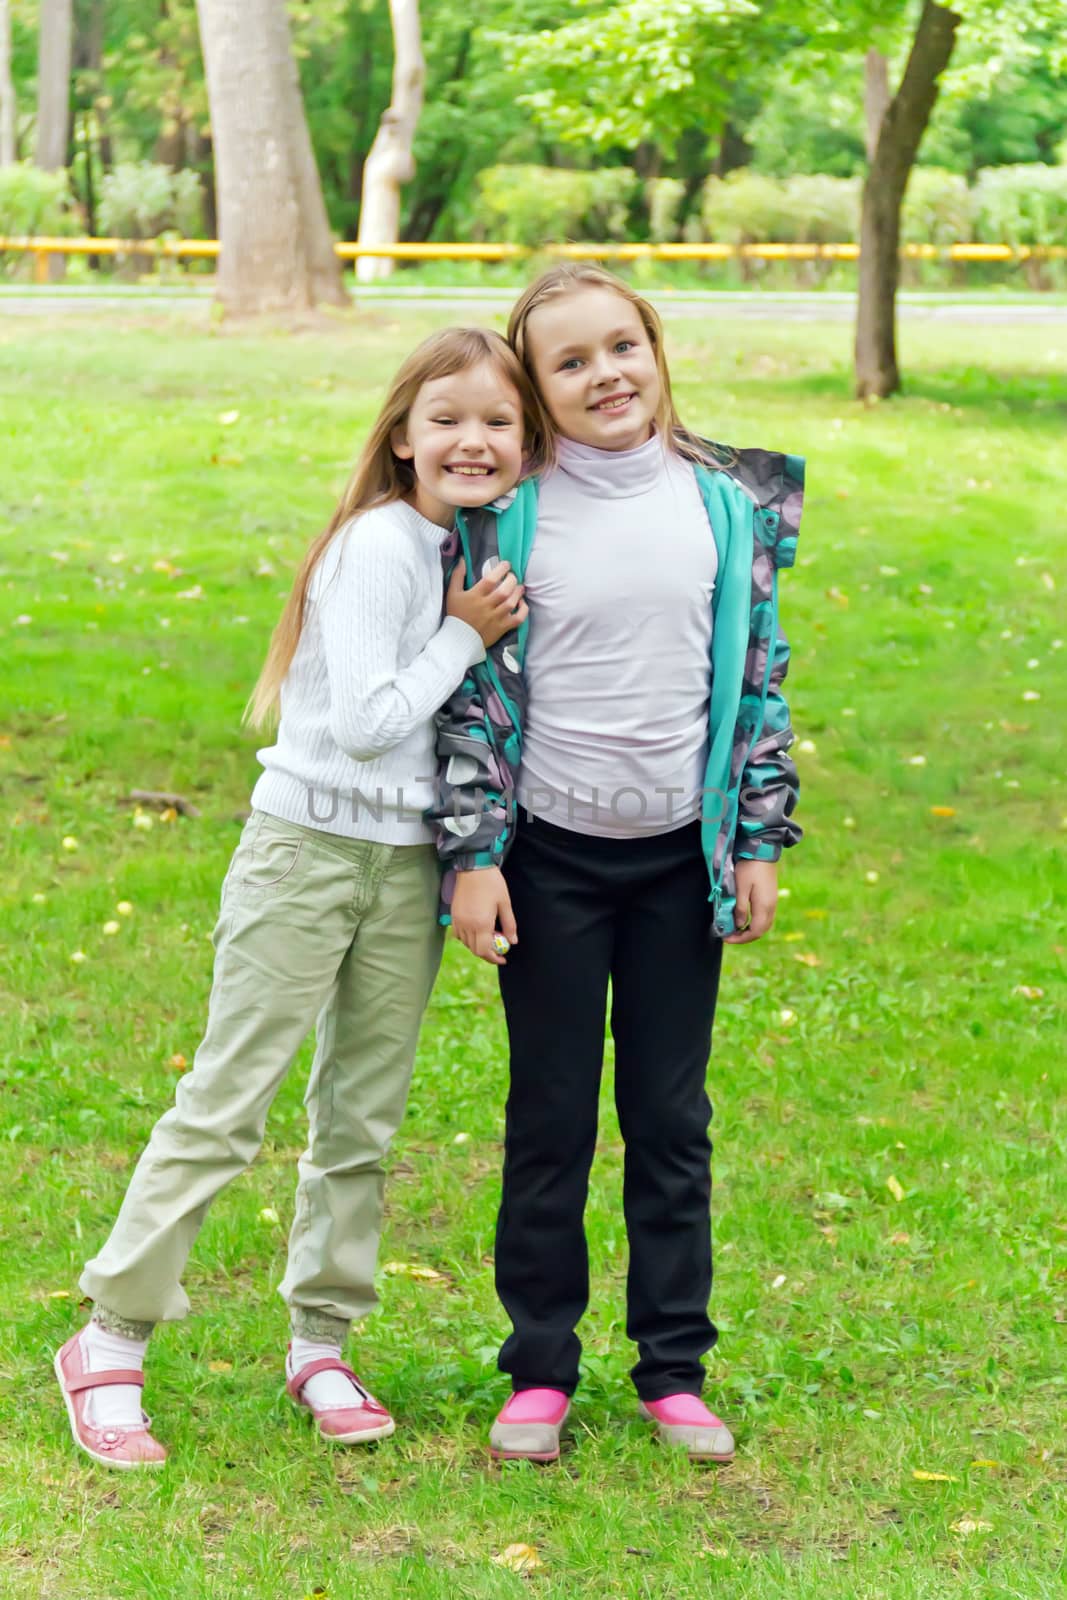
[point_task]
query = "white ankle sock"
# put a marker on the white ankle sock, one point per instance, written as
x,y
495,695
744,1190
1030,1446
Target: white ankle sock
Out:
x,y
325,1389
119,1404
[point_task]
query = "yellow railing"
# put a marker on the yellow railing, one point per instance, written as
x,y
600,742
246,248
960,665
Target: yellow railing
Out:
x,y
173,249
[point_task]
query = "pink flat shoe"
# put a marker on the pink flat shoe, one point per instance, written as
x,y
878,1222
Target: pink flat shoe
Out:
x,y
360,1424
684,1421
528,1428
125,1448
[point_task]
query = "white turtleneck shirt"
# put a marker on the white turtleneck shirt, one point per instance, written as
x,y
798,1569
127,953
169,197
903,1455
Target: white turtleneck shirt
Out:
x,y
619,584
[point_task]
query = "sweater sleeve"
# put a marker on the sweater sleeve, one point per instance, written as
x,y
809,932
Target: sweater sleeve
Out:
x,y
367,591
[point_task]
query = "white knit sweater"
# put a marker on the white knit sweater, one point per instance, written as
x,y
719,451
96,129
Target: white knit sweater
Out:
x,y
355,747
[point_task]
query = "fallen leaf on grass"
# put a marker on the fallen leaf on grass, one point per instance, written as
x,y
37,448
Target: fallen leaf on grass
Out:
x,y
921,1476
408,1269
893,1185
177,1063
807,958
984,1461
220,1366
519,1558
971,1525
59,1294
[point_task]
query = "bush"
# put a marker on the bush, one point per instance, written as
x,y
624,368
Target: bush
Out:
x,y
34,202
747,207
937,208
663,198
1021,205
533,206
141,200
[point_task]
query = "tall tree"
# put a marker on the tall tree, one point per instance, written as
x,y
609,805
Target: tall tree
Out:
x,y
8,149
899,131
277,252
391,161
55,48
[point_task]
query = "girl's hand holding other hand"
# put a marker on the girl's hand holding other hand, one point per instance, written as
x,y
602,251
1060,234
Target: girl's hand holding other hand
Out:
x,y
479,902
493,607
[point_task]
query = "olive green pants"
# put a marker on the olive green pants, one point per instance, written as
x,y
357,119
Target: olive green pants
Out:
x,y
318,930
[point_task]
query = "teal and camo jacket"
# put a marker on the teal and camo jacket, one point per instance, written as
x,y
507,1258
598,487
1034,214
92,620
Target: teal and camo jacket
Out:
x,y
753,500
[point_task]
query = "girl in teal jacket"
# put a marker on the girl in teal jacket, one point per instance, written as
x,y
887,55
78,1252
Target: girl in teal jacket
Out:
x,y
614,793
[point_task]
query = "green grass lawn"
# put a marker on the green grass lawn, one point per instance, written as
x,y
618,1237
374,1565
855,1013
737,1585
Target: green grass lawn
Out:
x,y
888,1073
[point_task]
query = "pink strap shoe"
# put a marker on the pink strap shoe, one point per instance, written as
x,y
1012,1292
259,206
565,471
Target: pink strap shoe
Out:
x,y
126,1448
360,1424
683,1420
528,1428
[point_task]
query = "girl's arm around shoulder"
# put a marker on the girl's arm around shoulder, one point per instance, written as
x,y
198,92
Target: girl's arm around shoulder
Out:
x,y
370,582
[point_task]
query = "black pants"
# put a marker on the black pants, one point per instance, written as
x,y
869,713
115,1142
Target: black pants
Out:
x,y
635,911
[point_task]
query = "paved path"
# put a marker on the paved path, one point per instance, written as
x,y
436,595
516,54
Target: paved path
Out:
x,y
61,301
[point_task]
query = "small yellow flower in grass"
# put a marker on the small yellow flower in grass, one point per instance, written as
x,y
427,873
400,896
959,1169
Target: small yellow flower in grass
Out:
x,y
220,1366
111,927
942,811
143,821
124,908
168,814
39,899
794,938
70,843
894,1187
269,1215
1029,991
785,1016
519,1558
177,1063
967,1525
848,822
984,1461
922,1476
78,956
870,877
59,1294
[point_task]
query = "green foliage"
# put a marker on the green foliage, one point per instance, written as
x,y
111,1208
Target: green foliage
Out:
x,y
1022,205
141,200
937,208
663,198
542,205
34,202
748,207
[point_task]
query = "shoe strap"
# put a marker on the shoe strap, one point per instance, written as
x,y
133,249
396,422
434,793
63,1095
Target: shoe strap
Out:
x,y
101,1380
331,1364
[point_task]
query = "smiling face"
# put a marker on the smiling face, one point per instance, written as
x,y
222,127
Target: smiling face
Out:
x,y
595,366
464,438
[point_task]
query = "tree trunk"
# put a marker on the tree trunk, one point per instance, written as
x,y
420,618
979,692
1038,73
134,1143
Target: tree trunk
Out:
x,y
277,252
876,96
54,54
899,136
8,152
391,162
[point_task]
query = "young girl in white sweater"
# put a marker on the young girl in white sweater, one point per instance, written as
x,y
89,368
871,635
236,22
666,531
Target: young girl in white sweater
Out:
x,y
328,914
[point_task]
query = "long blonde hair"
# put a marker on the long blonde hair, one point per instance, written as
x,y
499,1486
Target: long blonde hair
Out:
x,y
564,279
380,477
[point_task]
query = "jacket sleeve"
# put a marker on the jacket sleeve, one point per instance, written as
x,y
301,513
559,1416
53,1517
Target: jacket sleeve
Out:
x,y
473,803
769,783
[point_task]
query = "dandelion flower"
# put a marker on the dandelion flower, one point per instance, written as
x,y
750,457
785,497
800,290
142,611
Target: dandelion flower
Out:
x,y
871,877
70,843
